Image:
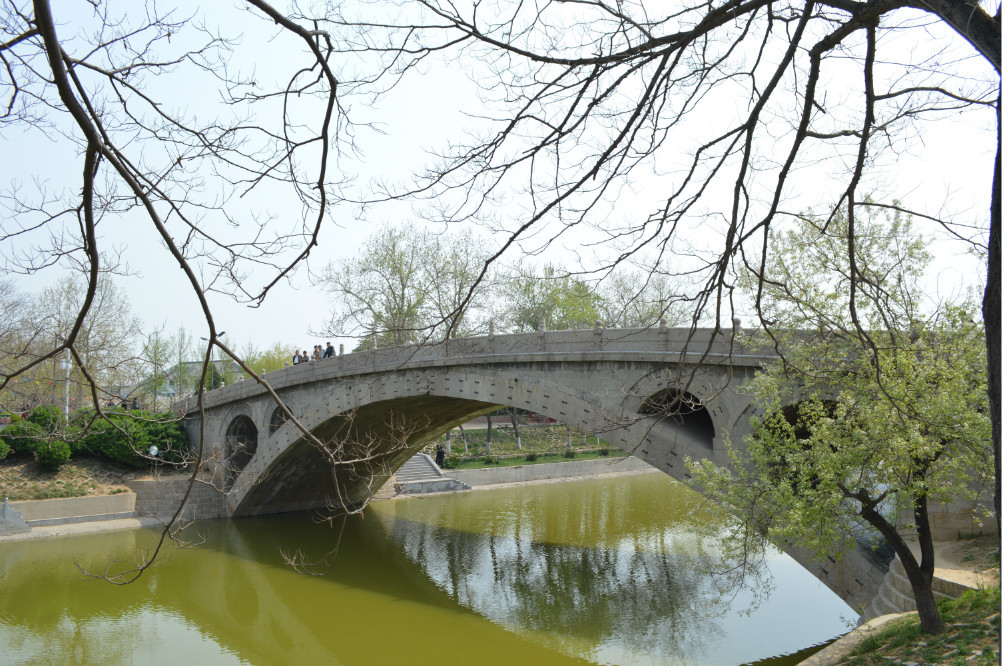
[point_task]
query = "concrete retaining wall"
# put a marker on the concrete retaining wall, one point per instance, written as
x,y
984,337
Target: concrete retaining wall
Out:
x,y
949,522
489,476
160,498
76,509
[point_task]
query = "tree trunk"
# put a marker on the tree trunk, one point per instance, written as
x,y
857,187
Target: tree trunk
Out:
x,y
991,311
490,423
919,574
514,426
448,442
466,448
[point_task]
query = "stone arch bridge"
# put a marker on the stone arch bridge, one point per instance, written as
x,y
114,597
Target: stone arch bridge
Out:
x,y
610,382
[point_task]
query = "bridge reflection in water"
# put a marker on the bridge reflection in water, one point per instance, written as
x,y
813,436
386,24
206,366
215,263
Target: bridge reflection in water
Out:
x,y
604,571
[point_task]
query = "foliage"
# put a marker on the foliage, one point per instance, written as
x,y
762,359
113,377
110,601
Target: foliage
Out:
x,y
512,460
555,298
23,436
47,417
127,438
52,454
854,421
213,379
271,359
4,449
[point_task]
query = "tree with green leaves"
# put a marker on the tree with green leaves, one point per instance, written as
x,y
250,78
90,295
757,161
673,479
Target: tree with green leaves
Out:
x,y
556,299
874,407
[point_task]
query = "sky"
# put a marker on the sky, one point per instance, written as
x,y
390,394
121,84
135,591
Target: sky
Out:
x,y
421,115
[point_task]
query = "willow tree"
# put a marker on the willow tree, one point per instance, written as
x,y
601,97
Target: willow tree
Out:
x,y
854,428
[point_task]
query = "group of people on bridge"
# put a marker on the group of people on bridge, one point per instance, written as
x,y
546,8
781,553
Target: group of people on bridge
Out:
x,y
318,353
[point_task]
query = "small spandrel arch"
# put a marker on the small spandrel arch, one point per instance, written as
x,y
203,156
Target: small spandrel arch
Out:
x,y
685,410
241,445
278,419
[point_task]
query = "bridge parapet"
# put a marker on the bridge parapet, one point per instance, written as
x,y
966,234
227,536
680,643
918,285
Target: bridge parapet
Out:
x,y
667,346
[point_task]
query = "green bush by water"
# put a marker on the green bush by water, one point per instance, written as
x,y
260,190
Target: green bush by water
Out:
x,y
51,455
125,439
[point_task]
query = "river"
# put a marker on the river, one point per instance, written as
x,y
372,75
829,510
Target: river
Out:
x,y
607,571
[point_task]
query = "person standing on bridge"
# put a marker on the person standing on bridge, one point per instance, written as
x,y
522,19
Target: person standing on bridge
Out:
x,y
295,358
329,352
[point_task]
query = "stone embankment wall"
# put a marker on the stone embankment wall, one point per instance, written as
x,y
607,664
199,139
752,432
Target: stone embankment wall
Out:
x,y
489,476
161,497
76,509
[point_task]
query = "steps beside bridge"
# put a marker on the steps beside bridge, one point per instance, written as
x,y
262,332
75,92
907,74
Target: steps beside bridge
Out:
x,y
421,475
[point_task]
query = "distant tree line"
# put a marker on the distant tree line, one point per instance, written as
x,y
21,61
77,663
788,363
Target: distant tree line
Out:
x,y
411,285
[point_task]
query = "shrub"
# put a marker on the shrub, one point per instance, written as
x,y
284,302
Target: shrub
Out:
x,y
23,436
604,451
4,449
569,453
451,462
128,446
531,457
48,417
165,431
52,455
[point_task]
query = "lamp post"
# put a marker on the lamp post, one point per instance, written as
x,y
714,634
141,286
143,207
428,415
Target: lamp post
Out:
x,y
67,364
212,350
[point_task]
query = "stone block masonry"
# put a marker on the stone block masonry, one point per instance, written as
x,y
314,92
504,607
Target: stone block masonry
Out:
x,y
160,498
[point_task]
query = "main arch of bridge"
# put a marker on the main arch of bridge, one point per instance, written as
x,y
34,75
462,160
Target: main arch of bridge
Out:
x,y
391,402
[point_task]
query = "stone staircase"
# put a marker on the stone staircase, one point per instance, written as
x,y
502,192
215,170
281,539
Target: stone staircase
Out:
x,y
421,475
895,593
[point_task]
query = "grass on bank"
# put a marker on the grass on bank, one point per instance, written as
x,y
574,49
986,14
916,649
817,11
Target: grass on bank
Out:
x,y
539,444
24,479
459,462
970,635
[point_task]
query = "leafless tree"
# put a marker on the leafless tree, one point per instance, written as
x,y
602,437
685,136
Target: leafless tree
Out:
x,y
711,118
116,83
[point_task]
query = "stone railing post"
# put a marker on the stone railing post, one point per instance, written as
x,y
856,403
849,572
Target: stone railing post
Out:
x,y
663,334
598,334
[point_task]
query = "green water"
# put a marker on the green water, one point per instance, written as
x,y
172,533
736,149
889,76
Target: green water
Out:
x,y
602,571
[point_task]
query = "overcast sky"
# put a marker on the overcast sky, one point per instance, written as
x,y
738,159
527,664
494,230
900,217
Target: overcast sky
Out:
x,y
948,168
